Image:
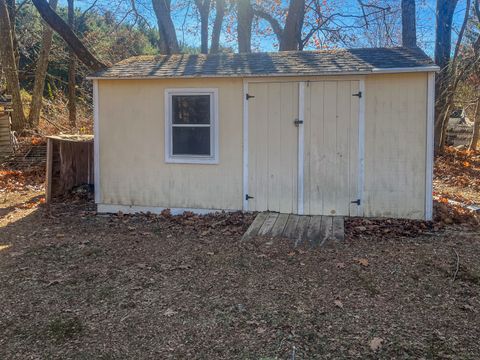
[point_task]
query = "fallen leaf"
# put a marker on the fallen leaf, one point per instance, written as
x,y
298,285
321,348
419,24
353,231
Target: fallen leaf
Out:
x,y
261,330
169,312
338,303
363,261
376,343
340,265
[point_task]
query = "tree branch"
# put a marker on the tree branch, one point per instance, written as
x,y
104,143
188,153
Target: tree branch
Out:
x,y
276,27
462,30
62,29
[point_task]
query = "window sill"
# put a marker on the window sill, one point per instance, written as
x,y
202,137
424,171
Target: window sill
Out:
x,y
191,160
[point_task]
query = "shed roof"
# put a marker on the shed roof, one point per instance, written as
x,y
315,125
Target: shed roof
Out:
x,y
286,63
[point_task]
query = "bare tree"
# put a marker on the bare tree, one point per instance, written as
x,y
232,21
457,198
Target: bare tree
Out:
x,y
290,36
217,26
12,13
166,29
244,25
62,29
72,64
476,126
409,24
41,71
9,65
292,32
203,7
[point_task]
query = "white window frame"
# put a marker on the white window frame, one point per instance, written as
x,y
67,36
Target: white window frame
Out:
x,y
213,158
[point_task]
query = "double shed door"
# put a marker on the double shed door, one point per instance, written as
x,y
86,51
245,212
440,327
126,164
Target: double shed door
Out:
x,y
329,172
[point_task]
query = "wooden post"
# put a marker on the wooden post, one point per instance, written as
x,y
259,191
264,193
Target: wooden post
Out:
x,y
48,183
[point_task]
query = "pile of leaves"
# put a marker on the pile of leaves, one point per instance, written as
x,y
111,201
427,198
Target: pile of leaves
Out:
x,y
457,168
220,223
457,185
21,180
447,213
356,228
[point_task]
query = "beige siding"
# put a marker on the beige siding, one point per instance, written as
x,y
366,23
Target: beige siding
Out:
x,y
132,160
395,145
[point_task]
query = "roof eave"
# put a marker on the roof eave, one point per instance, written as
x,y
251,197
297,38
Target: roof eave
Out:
x,y
431,68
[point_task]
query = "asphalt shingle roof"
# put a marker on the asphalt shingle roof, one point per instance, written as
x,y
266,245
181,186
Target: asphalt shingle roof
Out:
x,y
288,63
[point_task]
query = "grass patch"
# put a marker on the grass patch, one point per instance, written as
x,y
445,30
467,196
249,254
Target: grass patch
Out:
x,y
63,328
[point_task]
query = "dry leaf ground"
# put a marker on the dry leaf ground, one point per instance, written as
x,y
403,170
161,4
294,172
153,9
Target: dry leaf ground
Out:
x,y
76,285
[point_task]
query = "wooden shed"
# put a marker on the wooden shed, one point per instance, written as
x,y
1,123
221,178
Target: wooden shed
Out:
x,y
6,145
344,132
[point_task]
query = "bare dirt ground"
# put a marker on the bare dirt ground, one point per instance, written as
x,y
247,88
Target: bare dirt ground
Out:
x,y
77,285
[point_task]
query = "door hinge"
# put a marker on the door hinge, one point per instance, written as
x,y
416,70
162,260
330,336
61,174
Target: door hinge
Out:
x,y
358,202
248,197
248,96
359,94
297,122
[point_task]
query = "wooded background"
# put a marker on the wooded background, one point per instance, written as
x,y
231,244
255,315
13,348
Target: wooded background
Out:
x,y
48,48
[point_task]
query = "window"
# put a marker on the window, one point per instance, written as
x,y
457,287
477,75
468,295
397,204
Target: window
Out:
x,y
191,133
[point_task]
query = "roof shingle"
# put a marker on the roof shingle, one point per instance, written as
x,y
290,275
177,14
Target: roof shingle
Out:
x,y
288,63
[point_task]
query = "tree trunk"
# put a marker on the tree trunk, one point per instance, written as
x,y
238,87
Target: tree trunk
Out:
x,y
292,32
72,98
409,24
62,29
217,26
12,14
203,7
476,127
7,57
40,72
244,26
166,28
443,48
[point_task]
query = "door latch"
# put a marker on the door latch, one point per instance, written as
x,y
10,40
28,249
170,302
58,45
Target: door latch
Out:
x,y
248,197
248,96
297,122
359,94
356,202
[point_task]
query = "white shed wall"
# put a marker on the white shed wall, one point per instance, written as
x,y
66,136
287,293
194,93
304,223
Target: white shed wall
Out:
x,y
133,171
395,145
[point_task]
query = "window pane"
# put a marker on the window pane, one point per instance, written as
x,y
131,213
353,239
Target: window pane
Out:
x,y
191,140
191,109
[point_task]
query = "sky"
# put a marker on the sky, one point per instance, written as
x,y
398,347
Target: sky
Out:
x,y
190,33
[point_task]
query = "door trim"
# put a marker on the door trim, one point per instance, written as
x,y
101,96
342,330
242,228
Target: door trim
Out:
x,y
429,142
301,148
361,147
245,145
96,145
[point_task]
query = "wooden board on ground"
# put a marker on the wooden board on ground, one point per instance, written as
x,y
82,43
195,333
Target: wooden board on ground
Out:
x,y
255,226
279,225
268,224
338,228
314,230
309,230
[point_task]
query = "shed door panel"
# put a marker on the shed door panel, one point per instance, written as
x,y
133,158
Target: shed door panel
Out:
x,y
272,147
331,148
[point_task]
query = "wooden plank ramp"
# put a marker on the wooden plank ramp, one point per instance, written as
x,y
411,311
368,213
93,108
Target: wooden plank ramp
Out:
x,y
300,229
